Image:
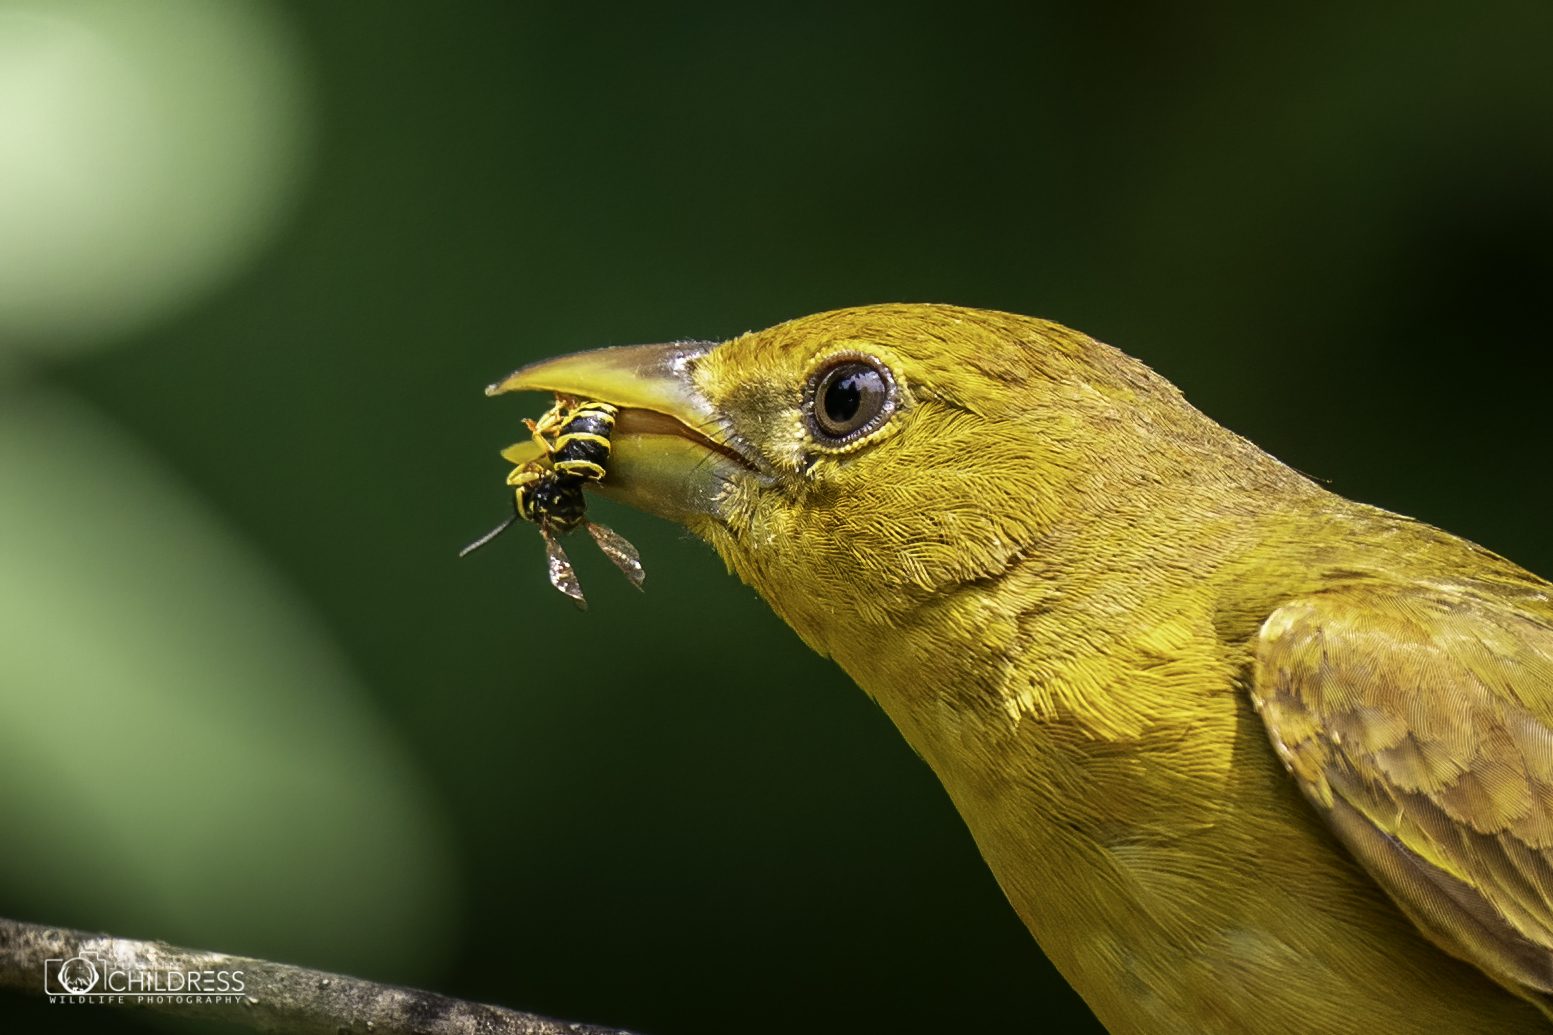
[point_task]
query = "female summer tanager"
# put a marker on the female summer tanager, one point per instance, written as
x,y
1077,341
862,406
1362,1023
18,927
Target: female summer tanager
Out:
x,y
1245,756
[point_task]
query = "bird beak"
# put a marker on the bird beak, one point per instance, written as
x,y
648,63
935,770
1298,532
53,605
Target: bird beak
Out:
x,y
671,453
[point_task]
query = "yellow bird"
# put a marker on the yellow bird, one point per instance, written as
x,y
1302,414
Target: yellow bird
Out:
x,y
1244,755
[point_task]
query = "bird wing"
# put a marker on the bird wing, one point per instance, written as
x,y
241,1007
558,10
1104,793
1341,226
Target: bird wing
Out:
x,y
1419,721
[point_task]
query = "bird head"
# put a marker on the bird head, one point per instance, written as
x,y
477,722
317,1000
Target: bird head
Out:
x,y
856,466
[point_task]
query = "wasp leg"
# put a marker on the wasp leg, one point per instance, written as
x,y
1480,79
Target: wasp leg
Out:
x,y
529,472
549,425
619,549
492,534
562,577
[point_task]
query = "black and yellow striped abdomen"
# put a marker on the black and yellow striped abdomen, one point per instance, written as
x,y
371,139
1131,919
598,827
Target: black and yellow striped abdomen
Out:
x,y
582,445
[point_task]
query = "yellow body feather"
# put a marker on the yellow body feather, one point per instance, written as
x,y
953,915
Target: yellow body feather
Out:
x,y
1244,755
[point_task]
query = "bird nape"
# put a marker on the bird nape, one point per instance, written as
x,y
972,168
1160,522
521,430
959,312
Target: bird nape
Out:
x,y
1244,755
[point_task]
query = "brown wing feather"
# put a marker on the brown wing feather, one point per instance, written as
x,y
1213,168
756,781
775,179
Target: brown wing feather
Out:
x,y
1418,722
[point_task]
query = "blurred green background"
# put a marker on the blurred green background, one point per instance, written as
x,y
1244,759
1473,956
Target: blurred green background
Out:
x,y
257,261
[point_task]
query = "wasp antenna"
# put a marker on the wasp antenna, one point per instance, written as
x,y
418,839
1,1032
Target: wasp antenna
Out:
x,y
492,534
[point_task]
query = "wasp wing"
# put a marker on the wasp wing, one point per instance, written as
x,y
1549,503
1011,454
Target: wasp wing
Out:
x,y
619,549
562,577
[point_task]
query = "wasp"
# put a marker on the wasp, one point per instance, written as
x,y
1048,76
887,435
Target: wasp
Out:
x,y
580,444
575,445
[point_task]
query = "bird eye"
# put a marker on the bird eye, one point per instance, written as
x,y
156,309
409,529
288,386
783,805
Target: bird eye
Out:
x,y
849,399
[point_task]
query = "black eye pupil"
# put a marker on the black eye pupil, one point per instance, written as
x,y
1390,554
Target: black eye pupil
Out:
x,y
848,400
843,398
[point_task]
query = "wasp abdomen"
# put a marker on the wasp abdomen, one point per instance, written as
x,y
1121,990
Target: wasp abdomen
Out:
x,y
582,445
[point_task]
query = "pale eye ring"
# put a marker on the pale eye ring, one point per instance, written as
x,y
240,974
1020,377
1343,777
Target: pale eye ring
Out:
x,y
849,398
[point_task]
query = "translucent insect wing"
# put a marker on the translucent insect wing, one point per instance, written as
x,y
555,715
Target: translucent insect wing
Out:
x,y
562,577
619,549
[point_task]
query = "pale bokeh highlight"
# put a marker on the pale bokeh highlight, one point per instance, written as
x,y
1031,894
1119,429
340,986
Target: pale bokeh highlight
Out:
x,y
147,150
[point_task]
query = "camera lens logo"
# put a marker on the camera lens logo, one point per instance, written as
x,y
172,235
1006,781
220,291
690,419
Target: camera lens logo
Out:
x,y
75,976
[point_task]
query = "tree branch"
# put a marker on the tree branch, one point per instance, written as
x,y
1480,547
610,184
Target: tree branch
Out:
x,y
265,996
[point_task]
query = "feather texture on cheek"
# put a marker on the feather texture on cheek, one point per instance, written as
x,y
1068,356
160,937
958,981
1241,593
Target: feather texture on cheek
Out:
x,y
950,500
864,538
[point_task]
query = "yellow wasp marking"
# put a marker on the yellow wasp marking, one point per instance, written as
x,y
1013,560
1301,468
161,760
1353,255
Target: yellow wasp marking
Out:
x,y
547,492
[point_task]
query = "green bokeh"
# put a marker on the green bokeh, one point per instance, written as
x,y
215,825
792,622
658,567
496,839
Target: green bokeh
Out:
x,y
183,752
1333,229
